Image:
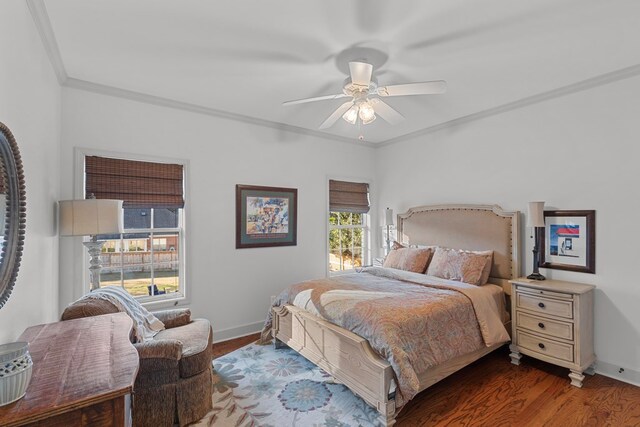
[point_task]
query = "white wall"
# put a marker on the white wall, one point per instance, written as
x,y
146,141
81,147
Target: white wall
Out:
x,y
30,107
575,152
228,286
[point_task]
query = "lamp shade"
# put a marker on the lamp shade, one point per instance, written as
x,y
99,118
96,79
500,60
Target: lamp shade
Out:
x,y
536,214
90,217
389,217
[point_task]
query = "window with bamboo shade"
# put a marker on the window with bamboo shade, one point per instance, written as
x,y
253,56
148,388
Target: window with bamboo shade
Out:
x,y
139,184
348,225
153,201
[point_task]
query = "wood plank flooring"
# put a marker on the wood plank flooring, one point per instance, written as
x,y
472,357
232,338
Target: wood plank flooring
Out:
x,y
222,348
493,392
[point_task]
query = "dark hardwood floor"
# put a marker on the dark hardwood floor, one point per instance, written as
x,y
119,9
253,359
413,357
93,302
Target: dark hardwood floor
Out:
x,y
493,392
222,348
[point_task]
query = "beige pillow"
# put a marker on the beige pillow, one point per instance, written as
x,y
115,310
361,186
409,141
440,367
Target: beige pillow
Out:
x,y
471,267
397,245
487,268
408,259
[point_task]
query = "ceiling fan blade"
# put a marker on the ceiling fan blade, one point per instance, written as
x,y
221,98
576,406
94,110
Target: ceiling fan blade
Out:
x,y
424,88
360,73
317,98
385,111
336,115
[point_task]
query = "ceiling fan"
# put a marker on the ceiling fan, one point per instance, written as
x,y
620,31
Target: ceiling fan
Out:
x,y
365,96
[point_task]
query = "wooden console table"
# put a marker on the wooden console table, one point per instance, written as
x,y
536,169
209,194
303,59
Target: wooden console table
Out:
x,y
83,374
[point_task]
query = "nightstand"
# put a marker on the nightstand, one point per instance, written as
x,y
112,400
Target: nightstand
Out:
x,y
552,320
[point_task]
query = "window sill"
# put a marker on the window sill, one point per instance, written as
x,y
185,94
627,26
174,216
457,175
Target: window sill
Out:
x,y
161,301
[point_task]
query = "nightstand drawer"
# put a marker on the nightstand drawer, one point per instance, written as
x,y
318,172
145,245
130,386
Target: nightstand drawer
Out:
x,y
543,292
539,325
545,346
546,306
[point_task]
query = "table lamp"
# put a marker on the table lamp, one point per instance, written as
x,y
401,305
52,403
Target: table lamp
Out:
x,y
535,219
91,217
389,224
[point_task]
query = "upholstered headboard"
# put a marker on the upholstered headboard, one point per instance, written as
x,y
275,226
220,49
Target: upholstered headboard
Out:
x,y
470,227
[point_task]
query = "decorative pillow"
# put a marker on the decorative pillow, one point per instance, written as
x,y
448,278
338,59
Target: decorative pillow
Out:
x,y
432,247
487,268
464,266
408,259
397,245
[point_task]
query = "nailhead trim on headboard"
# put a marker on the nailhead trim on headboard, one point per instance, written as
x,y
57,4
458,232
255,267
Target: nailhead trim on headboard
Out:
x,y
511,217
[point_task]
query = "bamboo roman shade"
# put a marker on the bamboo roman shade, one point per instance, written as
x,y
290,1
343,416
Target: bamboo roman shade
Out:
x,y
347,196
138,184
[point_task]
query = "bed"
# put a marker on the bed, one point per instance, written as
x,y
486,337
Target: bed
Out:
x,y
351,359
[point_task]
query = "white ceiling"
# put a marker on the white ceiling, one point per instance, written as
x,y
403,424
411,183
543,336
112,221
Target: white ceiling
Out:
x,y
247,57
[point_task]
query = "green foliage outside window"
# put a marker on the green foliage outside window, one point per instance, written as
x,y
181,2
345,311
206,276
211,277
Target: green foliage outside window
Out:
x,y
346,244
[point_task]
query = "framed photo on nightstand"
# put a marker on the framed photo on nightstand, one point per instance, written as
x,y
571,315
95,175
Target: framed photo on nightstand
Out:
x,y
568,241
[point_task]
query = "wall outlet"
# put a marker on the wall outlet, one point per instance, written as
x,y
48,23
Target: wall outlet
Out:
x,y
273,299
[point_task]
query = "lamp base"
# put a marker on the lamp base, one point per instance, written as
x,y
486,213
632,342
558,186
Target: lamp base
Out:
x,y
536,276
95,249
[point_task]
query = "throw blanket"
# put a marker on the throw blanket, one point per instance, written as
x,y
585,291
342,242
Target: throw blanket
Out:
x,y
413,321
145,324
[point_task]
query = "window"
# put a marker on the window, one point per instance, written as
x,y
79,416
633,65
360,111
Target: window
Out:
x,y
110,246
348,225
143,263
160,244
136,245
148,258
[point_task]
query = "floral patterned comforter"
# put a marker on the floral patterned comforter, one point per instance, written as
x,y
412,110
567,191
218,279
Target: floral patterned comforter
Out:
x,y
412,320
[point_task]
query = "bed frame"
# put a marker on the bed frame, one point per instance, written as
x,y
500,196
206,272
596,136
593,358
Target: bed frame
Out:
x,y
349,358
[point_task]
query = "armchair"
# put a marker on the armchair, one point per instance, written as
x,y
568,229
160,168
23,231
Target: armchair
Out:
x,y
174,382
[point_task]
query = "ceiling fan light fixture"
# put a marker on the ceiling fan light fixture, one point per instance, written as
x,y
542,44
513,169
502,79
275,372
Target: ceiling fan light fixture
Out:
x,y
367,114
369,120
351,116
360,85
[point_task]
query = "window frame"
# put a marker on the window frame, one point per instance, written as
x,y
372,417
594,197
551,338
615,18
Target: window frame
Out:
x,y
156,301
153,232
366,244
367,220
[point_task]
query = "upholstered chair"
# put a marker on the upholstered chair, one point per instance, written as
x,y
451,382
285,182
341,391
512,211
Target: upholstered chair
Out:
x,y
174,382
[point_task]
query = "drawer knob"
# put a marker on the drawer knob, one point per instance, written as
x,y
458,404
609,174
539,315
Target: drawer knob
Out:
x,y
541,345
541,325
541,304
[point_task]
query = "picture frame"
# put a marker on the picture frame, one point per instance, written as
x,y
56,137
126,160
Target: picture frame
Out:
x,y
568,241
266,216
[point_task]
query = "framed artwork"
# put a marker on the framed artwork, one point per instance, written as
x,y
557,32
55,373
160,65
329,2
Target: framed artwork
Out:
x,y
568,241
266,216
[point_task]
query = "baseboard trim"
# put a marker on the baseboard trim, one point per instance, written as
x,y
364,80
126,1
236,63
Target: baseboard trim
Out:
x,y
237,332
628,375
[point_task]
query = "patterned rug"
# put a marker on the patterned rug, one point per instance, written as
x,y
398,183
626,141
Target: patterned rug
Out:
x,y
261,386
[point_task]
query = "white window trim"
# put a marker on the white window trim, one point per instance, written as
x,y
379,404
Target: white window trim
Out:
x,y
369,238
366,245
156,301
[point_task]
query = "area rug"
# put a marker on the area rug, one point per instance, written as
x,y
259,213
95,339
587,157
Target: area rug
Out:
x,y
261,386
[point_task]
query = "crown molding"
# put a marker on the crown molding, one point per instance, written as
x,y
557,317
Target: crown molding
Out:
x,y
583,85
194,108
580,86
43,25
